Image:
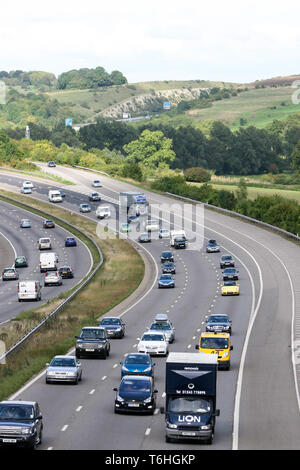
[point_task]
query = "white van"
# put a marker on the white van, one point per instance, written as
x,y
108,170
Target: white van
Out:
x,y
48,262
103,212
29,290
176,234
54,196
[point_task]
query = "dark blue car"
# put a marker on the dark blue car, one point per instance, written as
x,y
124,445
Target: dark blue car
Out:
x,y
166,280
70,241
137,364
135,394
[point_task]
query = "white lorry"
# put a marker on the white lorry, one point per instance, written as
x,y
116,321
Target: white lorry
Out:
x,y
176,234
54,195
48,262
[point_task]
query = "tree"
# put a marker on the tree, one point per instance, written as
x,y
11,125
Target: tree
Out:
x,y
242,192
152,150
296,157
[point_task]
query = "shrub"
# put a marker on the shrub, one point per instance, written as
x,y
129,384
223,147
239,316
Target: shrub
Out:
x,y
197,174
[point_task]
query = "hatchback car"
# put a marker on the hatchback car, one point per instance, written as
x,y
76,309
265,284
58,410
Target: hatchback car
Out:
x,y
168,268
21,424
144,238
44,244
96,184
166,280
48,224
27,184
64,369
135,394
52,278
66,272
94,197
219,323
9,274
25,223
226,261
51,164
164,233
26,190
70,241
115,327
85,208
166,256
165,327
212,246
21,262
154,344
230,274
230,288
137,364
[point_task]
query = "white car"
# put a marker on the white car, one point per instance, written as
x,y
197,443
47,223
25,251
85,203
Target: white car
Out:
x,y
27,184
26,190
44,244
52,278
152,226
154,344
96,184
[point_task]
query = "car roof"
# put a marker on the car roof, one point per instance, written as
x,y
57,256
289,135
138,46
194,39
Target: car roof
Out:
x,y
17,402
214,335
93,327
137,377
65,356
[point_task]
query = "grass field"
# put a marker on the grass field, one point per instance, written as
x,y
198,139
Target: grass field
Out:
x,y
253,192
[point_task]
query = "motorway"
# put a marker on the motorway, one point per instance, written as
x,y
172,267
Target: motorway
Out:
x,y
16,241
258,397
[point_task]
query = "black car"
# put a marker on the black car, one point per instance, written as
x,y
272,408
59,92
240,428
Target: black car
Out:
x,y
48,224
230,274
226,261
145,238
21,424
219,323
166,256
114,326
168,268
92,341
135,394
66,272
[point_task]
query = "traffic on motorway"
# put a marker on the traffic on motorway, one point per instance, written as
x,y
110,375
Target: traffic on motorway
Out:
x,y
187,416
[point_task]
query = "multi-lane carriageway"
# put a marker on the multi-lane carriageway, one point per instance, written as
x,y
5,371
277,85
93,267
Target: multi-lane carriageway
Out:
x,y
258,397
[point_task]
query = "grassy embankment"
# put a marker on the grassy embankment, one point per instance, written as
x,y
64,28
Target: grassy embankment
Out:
x,y
120,275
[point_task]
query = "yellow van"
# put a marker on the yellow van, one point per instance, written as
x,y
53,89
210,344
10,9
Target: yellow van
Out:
x,y
216,343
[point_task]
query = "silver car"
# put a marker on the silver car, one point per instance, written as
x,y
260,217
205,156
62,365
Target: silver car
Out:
x,y
64,369
52,278
165,327
9,274
25,223
85,208
44,244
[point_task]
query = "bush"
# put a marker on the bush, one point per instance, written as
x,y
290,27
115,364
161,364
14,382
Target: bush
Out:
x,y
131,170
197,174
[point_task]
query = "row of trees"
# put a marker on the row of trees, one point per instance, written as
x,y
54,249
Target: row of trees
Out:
x,y
89,78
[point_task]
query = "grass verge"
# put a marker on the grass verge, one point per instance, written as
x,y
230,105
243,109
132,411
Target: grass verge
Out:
x,y
120,274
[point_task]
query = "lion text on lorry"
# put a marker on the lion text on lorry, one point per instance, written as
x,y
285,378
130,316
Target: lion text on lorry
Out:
x,y
191,392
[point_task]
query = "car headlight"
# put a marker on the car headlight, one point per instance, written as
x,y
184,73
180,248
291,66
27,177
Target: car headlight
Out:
x,y
225,354
147,400
71,374
206,427
171,426
51,373
226,327
120,398
148,369
125,368
26,431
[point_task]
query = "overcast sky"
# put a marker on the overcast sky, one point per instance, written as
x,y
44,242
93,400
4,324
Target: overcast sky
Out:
x,y
238,41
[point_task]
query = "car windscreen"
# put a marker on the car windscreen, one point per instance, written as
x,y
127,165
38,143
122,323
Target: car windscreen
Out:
x,y
219,319
214,343
189,405
166,277
166,254
110,321
226,258
45,240
229,270
8,270
154,337
135,386
160,326
137,359
229,283
16,412
92,334
63,362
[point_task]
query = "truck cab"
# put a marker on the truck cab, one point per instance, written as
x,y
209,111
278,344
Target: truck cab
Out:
x,y
191,387
218,344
